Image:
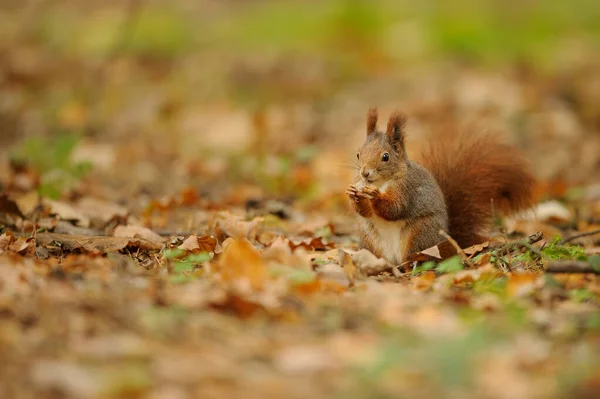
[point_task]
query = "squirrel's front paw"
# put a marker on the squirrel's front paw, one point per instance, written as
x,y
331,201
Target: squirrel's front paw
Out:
x,y
369,192
353,192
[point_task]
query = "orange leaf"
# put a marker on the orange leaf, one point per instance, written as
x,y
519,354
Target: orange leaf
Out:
x,y
311,244
424,281
521,284
197,244
242,262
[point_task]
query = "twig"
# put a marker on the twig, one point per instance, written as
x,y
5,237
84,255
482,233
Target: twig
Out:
x,y
525,242
571,266
458,249
576,236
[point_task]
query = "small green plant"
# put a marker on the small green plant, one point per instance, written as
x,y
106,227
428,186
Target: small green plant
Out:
x,y
51,158
582,295
450,265
184,265
556,251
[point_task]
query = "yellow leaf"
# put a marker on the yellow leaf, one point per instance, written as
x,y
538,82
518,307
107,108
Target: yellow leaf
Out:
x,y
241,262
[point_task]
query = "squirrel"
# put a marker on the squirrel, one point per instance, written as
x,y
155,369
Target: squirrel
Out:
x,y
403,205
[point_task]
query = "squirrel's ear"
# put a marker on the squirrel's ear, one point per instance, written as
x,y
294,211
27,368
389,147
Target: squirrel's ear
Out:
x,y
395,130
371,121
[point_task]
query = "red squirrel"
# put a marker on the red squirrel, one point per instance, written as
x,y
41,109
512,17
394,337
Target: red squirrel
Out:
x,y
403,205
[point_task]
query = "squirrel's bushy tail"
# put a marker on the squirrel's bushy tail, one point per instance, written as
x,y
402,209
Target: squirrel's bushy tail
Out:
x,y
478,176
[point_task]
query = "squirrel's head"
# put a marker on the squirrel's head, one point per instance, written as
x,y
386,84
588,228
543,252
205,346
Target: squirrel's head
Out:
x,y
382,156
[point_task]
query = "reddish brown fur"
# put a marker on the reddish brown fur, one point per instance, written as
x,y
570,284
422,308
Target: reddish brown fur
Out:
x,y
362,207
395,129
478,175
372,120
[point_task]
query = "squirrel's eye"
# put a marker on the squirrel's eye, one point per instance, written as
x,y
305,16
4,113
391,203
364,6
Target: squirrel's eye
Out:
x,y
385,157
357,155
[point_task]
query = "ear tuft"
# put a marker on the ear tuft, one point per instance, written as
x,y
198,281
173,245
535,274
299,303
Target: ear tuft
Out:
x,y
372,120
395,129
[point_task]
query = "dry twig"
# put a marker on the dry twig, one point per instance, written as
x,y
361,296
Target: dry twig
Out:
x,y
571,266
458,249
580,235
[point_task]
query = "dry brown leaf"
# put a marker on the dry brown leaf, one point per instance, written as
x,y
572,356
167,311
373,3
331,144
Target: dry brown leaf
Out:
x,y
101,244
348,266
137,232
100,211
424,281
280,252
6,240
521,284
486,272
242,264
440,251
10,207
311,244
369,264
242,307
229,225
433,252
333,272
23,246
484,259
68,212
475,249
28,202
197,244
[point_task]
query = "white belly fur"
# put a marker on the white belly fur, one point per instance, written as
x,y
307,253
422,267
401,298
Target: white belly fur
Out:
x,y
391,239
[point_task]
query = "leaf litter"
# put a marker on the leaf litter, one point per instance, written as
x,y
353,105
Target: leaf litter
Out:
x,y
179,270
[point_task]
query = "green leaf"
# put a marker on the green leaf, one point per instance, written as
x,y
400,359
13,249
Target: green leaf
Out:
x,y
450,265
429,265
173,253
181,267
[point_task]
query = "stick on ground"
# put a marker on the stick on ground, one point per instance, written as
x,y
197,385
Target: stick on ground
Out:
x,y
571,266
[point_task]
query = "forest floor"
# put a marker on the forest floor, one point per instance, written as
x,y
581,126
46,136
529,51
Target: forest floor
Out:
x,y
158,240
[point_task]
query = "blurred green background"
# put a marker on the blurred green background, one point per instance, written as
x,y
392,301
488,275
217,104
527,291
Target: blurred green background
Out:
x,y
199,90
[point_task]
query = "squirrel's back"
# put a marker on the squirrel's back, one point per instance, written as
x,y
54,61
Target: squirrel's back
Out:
x,y
478,176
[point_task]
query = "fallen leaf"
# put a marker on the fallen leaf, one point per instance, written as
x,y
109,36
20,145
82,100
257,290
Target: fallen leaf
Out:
x,y
348,266
137,232
369,264
424,281
242,264
228,225
521,284
68,212
72,378
475,249
279,252
100,211
23,246
197,244
189,196
302,360
10,207
101,244
486,272
483,259
6,239
443,250
242,307
332,272
311,244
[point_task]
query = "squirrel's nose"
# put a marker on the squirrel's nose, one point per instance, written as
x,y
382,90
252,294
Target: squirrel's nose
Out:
x,y
365,173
